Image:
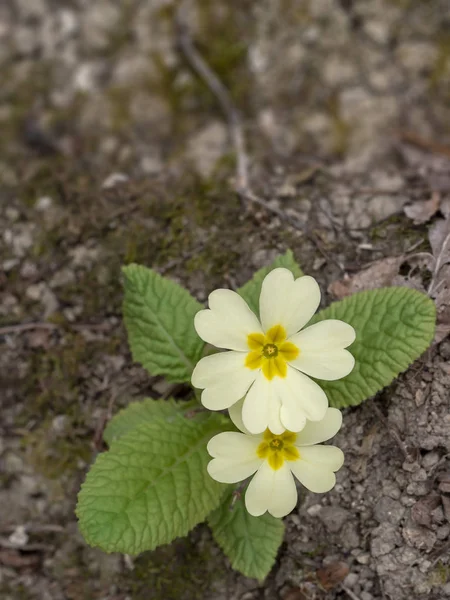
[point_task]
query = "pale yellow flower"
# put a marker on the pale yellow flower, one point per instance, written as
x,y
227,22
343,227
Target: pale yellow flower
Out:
x,y
274,459
270,361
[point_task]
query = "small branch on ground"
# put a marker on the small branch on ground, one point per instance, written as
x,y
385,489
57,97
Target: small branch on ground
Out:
x,y
349,592
222,95
21,327
242,184
416,140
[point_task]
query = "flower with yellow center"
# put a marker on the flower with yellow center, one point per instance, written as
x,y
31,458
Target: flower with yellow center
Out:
x,y
269,359
274,459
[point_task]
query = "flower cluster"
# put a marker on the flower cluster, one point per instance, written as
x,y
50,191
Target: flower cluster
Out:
x,y
264,380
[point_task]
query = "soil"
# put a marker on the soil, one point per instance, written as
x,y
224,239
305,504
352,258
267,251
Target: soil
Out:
x,y
113,151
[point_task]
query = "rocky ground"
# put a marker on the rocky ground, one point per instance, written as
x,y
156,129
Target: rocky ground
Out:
x,y
113,151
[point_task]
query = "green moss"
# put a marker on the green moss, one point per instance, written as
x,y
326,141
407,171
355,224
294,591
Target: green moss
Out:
x,y
54,455
340,128
440,575
54,384
441,70
181,571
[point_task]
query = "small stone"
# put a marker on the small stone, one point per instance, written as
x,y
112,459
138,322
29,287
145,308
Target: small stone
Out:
x,y
206,147
385,539
40,292
29,485
60,423
314,510
19,537
114,179
419,537
10,264
363,558
419,475
420,488
391,489
28,270
444,486
408,555
287,190
21,238
411,467
422,511
34,292
44,203
151,165
438,515
430,459
62,278
349,537
443,532
334,517
388,510
11,213
12,463
379,547
351,580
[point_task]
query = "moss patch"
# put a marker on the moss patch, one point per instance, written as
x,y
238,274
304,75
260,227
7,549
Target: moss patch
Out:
x,y
181,571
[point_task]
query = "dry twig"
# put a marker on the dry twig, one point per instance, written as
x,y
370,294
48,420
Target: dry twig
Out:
x,y
242,185
221,93
349,592
416,140
21,327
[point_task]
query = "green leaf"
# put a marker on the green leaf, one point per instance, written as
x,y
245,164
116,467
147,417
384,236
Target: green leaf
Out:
x,y
394,326
251,543
137,413
150,487
251,290
159,317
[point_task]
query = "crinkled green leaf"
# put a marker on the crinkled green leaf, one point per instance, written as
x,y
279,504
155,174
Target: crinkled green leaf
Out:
x,y
137,413
251,543
159,317
394,326
151,486
251,290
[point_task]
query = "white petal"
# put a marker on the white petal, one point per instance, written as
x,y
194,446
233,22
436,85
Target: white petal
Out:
x,y
286,302
315,432
301,398
218,368
330,334
272,491
219,397
235,413
316,480
255,411
226,378
234,455
328,366
315,469
226,471
227,322
324,457
233,445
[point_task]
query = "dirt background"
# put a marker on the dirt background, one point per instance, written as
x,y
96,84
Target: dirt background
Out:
x,y
113,151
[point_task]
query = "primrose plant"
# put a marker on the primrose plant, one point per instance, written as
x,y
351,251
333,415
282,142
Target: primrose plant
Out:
x,y
268,402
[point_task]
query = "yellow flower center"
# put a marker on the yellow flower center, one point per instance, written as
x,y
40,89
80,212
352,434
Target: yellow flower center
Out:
x,y
278,448
270,352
